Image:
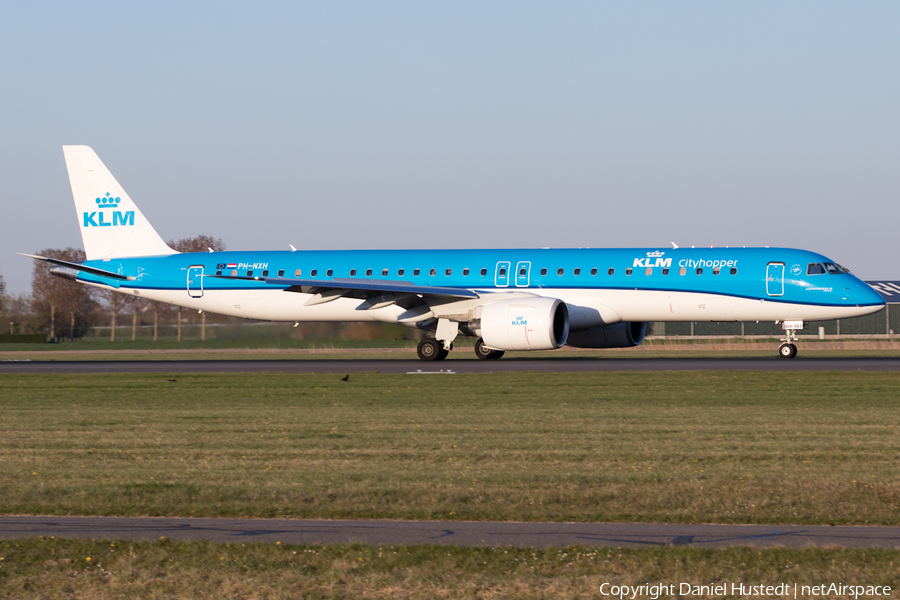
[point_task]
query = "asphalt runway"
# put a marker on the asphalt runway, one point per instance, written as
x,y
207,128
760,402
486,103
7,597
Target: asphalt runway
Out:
x,y
414,366
493,534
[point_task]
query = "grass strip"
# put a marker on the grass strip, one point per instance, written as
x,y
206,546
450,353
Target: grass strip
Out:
x,y
724,447
82,569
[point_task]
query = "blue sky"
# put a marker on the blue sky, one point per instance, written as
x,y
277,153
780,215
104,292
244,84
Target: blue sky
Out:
x,y
427,125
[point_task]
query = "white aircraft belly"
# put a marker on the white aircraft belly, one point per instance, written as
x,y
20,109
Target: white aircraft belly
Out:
x,y
273,305
651,305
588,308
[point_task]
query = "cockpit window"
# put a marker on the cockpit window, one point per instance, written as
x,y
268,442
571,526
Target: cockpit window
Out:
x,y
835,269
815,269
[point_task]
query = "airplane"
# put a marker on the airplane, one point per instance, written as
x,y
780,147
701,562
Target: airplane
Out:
x,y
510,299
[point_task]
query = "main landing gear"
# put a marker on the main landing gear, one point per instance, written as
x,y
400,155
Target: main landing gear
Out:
x,y
482,351
432,349
438,347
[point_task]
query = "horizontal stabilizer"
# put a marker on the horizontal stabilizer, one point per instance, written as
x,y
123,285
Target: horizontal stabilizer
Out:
x,y
79,267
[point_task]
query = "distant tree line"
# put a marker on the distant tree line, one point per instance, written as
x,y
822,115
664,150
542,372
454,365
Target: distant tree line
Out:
x,y
66,310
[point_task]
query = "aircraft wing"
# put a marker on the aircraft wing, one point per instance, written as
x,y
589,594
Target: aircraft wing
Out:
x,y
378,292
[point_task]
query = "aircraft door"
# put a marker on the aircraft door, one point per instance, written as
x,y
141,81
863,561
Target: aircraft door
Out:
x,y
501,275
775,279
195,281
523,274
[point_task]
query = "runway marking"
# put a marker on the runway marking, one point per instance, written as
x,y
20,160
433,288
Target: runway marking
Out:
x,y
421,372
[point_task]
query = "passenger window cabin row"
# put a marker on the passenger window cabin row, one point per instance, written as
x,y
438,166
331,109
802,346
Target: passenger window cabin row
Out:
x,y
813,269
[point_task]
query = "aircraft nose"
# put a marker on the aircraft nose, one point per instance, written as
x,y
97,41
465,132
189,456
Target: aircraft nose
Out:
x,y
866,295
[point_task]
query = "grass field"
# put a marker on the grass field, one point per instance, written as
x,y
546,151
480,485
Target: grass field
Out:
x,y
722,447
74,569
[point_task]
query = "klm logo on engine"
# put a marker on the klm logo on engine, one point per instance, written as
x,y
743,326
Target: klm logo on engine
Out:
x,y
111,218
654,259
520,321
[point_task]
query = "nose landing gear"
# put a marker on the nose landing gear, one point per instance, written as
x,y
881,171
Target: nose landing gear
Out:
x,y
787,349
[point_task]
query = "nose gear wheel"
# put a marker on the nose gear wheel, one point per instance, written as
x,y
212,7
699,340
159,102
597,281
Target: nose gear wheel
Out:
x,y
787,350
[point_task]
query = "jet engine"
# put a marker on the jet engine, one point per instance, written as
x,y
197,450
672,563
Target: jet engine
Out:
x,y
620,335
524,324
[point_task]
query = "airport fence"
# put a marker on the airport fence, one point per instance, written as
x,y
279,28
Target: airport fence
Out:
x,y
883,324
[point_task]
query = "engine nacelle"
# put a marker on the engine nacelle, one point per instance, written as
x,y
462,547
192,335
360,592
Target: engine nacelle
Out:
x,y
525,324
620,335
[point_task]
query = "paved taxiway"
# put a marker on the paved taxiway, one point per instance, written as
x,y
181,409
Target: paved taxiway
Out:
x,y
537,535
558,365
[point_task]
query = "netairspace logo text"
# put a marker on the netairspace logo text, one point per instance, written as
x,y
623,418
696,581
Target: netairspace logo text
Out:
x,y
781,590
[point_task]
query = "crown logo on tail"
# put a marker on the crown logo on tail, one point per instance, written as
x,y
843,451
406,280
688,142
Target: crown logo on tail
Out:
x,y
108,201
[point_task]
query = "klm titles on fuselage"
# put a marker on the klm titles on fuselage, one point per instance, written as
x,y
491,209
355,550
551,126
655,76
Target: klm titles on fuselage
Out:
x,y
647,262
655,259
97,219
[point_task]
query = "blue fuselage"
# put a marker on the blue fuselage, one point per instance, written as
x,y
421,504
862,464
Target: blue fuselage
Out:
x,y
778,275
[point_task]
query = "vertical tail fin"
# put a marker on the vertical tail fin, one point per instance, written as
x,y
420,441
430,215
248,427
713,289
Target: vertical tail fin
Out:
x,y
111,224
